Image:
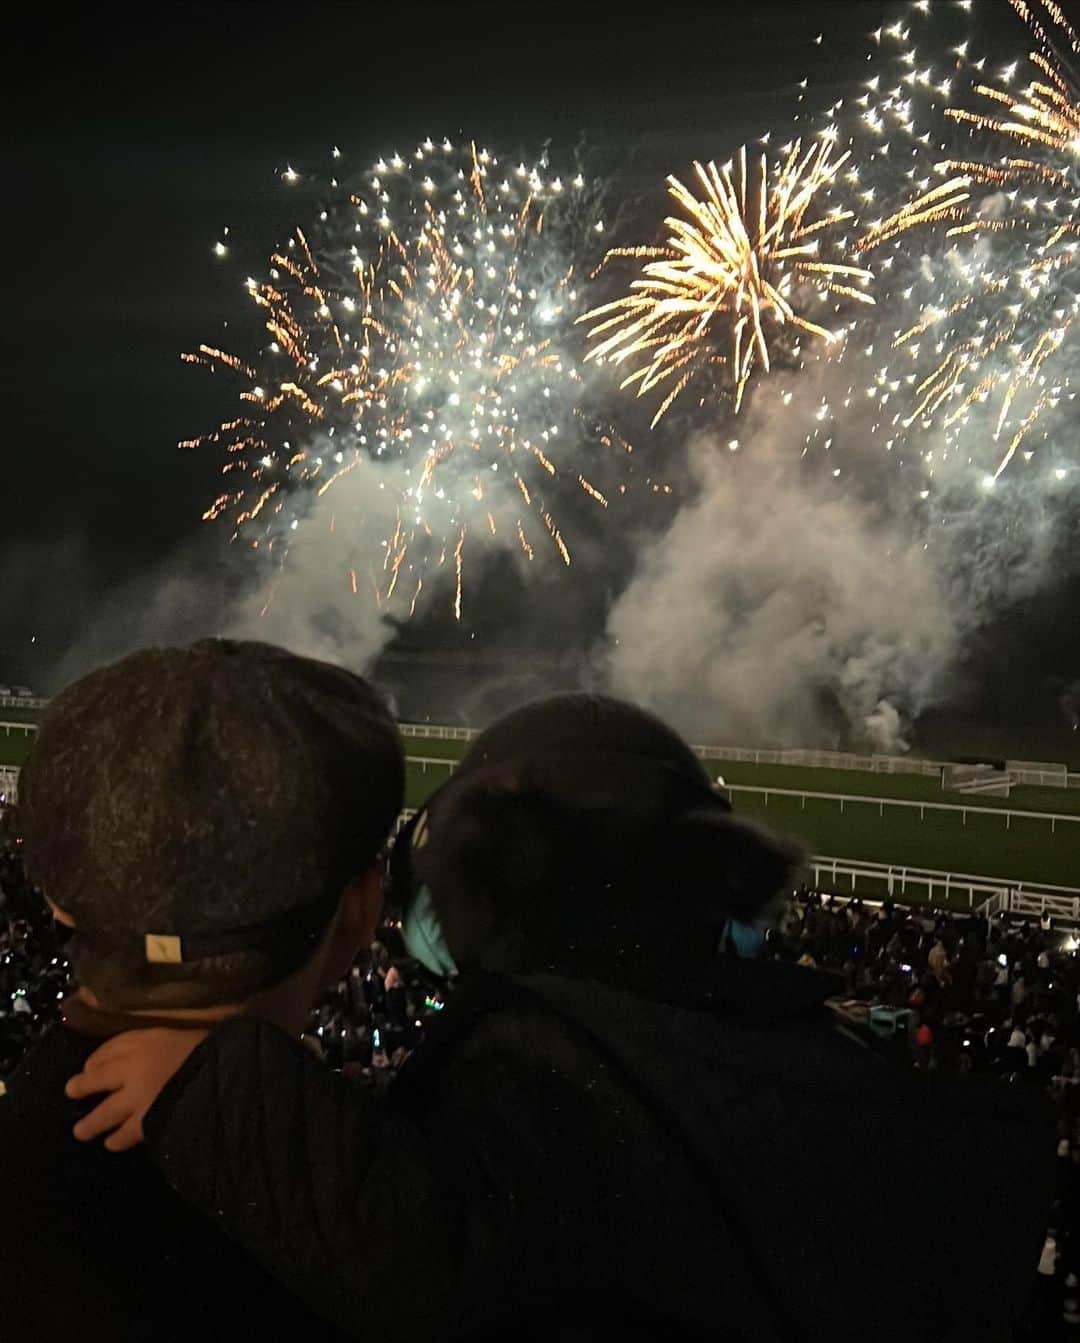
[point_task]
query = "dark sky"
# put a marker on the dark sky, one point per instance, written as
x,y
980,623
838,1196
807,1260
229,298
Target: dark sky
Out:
x,y
134,145
130,146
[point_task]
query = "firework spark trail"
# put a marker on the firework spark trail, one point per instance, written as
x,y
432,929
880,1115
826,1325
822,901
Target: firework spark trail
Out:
x,y
425,323
1007,358
889,491
735,284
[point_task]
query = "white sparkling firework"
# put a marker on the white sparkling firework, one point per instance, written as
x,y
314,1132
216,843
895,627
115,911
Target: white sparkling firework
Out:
x,y
424,322
986,352
955,375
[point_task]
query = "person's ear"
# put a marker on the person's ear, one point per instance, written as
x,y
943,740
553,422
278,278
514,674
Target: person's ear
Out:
x,y
361,908
60,915
751,866
354,927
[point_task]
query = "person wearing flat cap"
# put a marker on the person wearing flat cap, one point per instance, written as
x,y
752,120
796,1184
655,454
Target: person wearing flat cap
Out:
x,y
207,821
618,1125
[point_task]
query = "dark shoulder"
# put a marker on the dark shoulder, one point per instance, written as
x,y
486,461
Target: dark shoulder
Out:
x,y
523,1084
109,1229
34,1091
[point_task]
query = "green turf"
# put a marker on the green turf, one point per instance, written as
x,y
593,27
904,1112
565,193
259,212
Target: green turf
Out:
x,y
12,715
1065,801
1020,849
917,787
421,781
435,746
1026,850
814,780
14,744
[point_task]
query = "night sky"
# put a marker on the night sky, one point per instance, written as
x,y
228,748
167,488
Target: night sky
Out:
x,y
129,148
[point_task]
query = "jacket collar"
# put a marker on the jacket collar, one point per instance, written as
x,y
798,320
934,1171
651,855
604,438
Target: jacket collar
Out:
x,y
99,1023
761,991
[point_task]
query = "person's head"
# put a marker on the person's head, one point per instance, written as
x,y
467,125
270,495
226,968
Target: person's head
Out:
x,y
578,834
208,820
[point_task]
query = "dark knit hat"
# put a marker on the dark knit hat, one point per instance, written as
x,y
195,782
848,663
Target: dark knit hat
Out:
x,y
189,804
592,751
579,819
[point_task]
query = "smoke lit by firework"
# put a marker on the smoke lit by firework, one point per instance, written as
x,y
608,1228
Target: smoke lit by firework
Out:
x,y
756,253
425,322
893,341
870,463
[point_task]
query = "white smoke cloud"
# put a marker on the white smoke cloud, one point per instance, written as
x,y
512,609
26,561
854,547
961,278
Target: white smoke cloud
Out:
x,y
817,588
319,593
211,589
308,603
883,727
778,603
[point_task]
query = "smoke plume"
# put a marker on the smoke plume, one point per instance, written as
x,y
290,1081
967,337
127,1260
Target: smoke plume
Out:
x,y
780,609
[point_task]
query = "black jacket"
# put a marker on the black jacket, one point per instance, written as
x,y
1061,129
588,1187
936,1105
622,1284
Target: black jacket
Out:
x,y
559,1153
95,1245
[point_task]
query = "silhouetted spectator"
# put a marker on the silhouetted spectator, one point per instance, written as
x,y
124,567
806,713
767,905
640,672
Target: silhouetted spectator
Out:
x,y
612,1127
207,820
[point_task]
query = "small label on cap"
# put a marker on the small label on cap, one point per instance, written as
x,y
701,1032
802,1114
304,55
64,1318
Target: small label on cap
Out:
x,y
163,949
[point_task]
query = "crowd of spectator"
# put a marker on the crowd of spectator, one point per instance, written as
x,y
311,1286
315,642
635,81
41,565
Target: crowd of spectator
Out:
x,y
33,970
365,1026
368,1024
966,994
637,1114
948,992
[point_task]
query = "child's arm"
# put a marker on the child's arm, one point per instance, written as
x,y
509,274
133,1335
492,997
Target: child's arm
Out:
x,y
337,1200
430,1218
133,1069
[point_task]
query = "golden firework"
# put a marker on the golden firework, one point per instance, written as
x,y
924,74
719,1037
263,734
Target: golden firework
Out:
x,y
742,268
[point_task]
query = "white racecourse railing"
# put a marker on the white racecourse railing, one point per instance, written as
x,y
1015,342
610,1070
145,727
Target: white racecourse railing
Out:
x,y
932,886
425,760
885,764
1009,813
921,807
25,728
1021,771
993,893
873,764
1033,904
438,733
927,886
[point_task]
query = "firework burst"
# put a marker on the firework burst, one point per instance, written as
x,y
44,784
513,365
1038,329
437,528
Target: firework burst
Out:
x,y
423,324
745,268
1017,213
